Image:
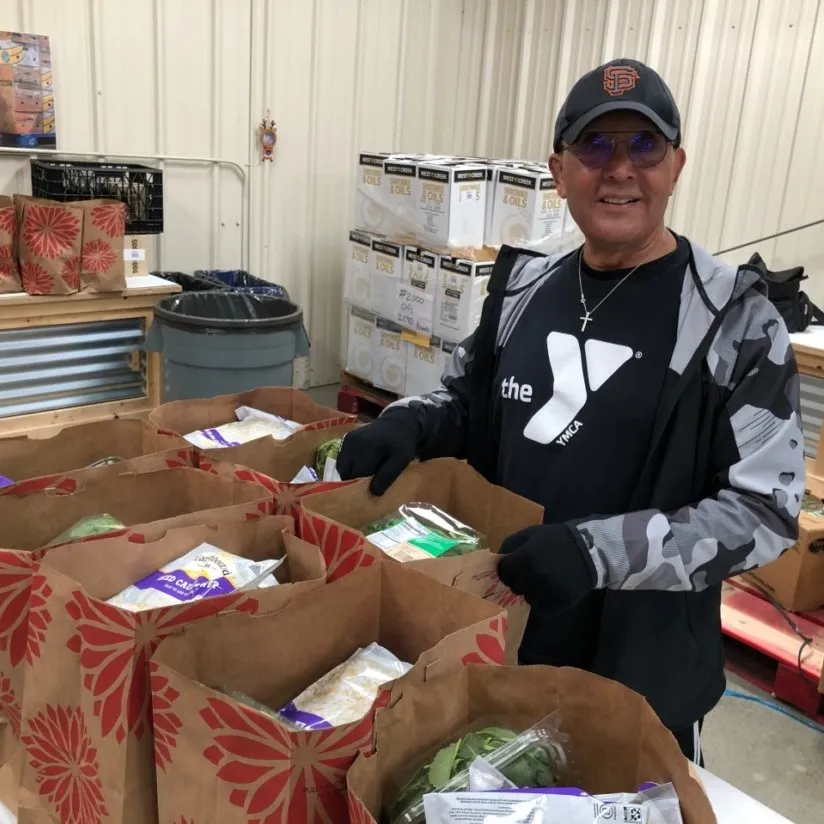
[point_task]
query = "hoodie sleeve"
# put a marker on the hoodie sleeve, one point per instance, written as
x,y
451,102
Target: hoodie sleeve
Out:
x,y
442,415
758,467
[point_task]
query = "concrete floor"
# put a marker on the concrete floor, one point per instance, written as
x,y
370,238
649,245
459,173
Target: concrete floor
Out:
x,y
769,756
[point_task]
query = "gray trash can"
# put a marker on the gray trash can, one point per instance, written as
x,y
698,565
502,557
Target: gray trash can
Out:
x,y
218,343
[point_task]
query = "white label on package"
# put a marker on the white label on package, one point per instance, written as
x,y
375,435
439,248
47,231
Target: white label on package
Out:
x,y
526,808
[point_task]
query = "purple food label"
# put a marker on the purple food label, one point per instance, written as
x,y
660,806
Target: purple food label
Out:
x,y
183,587
305,720
215,435
4,481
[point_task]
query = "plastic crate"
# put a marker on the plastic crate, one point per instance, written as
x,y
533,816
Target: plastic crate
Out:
x,y
191,283
240,281
139,187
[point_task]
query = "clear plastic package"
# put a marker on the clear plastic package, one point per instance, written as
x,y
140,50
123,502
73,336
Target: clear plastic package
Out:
x,y
250,425
203,572
346,693
88,527
419,530
530,759
306,475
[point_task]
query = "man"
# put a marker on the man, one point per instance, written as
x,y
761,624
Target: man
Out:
x,y
643,392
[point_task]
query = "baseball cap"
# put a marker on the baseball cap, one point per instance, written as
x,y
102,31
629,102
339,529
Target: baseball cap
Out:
x,y
620,85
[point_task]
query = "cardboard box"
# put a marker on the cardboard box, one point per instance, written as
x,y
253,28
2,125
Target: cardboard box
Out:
x,y
796,579
253,766
528,209
140,446
34,513
357,284
88,670
417,290
389,357
615,741
335,521
371,214
184,417
399,196
273,465
387,266
360,355
424,367
451,203
462,290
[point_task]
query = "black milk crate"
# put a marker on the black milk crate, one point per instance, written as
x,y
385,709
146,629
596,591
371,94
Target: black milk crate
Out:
x,y
139,187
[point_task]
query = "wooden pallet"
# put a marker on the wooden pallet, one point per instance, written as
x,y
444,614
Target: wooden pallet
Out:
x,y
764,649
358,397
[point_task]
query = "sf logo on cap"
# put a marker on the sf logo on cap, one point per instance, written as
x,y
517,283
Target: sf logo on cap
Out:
x,y
619,79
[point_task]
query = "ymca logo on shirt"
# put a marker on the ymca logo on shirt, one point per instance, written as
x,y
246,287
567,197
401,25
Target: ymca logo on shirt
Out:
x,y
557,420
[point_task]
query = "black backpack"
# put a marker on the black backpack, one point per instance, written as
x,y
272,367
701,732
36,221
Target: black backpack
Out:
x,y
784,292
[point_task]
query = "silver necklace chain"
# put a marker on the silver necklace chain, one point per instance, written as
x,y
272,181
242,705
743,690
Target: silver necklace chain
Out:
x,y
587,318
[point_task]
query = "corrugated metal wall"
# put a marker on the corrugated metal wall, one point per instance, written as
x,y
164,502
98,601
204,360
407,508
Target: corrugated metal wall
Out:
x,y
194,77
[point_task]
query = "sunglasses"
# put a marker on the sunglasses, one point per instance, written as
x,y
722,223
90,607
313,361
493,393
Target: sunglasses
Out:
x,y
596,149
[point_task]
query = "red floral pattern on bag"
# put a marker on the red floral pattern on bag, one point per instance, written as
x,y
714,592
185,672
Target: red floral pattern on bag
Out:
x,y
288,497
328,423
111,218
98,257
49,231
39,616
184,459
9,705
253,754
36,280
15,585
8,220
59,484
166,722
491,645
115,646
358,814
8,265
344,549
65,762
70,273
498,593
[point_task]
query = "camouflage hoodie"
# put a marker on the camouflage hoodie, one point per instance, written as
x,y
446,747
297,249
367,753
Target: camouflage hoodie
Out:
x,y
722,485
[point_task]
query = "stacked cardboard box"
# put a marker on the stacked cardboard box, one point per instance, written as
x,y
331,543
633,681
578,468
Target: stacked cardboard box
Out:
x,y
421,253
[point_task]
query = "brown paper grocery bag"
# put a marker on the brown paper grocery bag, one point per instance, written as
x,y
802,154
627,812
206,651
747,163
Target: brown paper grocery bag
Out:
x,y
256,769
334,520
87,672
142,445
185,417
102,267
49,245
9,270
615,742
274,464
35,512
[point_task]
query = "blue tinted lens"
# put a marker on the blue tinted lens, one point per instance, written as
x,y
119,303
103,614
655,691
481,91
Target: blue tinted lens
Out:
x,y
647,148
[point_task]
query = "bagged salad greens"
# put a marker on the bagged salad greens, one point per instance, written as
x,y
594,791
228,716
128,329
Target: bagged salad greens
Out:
x,y
326,451
420,530
346,693
89,527
250,425
203,572
812,505
529,759
325,467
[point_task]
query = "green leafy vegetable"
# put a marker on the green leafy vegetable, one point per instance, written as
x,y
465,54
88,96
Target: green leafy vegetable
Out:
x,y
89,527
328,449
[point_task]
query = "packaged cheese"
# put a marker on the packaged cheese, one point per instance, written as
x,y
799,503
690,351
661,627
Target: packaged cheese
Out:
x,y
250,425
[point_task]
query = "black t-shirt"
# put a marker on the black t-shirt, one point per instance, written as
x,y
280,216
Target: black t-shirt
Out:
x,y
575,408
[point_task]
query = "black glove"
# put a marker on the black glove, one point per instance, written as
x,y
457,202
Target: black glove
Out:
x,y
382,449
548,565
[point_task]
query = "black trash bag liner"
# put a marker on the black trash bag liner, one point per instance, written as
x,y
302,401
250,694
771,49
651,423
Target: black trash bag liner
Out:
x,y
190,283
225,310
240,279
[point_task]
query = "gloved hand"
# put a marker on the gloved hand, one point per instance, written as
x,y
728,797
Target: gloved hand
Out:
x,y
382,449
548,566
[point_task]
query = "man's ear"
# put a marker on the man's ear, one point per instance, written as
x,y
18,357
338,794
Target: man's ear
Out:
x,y
556,166
679,160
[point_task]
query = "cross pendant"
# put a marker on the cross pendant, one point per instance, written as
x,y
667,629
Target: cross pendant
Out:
x,y
586,319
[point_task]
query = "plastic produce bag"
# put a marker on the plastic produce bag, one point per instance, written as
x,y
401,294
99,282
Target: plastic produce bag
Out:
x,y
250,425
658,805
326,451
88,527
420,530
809,504
4,481
347,693
203,572
529,759
107,461
307,475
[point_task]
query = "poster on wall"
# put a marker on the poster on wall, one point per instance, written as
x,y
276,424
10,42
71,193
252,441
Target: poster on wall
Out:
x,y
26,92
